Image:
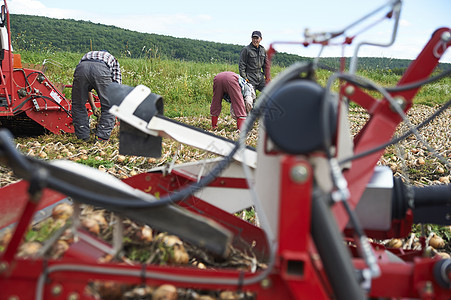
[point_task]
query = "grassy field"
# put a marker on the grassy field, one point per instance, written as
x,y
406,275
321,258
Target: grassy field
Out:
x,y
187,87
187,91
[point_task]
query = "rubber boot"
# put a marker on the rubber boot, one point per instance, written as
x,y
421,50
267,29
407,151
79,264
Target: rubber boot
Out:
x,y
240,122
214,122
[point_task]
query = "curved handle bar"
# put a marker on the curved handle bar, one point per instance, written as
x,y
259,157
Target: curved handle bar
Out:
x,y
430,204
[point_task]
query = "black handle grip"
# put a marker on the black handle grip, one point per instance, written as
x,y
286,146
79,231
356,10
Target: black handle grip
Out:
x,y
433,195
430,204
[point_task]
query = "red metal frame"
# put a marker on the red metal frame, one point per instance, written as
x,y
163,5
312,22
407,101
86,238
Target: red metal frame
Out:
x,y
49,107
409,279
44,111
15,196
383,122
297,272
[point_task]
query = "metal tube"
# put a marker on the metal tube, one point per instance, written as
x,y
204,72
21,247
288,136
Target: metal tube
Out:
x,y
335,257
396,9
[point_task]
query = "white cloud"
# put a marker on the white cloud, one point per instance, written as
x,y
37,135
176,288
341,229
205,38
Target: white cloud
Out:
x,y
178,24
25,6
37,8
404,23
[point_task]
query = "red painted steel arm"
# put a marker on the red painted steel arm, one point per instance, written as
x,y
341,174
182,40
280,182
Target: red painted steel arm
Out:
x,y
383,121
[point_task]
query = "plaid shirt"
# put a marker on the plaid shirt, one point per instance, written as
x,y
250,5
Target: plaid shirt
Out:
x,y
110,60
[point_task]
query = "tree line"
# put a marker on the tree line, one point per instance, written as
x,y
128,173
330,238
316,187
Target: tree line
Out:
x,y
36,33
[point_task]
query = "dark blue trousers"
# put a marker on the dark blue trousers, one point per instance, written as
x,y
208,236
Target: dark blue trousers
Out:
x,y
90,75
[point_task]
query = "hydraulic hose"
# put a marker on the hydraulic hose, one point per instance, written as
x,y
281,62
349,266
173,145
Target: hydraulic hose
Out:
x,y
333,252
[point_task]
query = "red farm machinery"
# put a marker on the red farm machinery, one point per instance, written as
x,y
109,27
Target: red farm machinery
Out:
x,y
318,193
29,102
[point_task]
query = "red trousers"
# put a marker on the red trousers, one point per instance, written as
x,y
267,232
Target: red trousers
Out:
x,y
227,83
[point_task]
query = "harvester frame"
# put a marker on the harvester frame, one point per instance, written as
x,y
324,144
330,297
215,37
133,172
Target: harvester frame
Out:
x,y
304,229
27,97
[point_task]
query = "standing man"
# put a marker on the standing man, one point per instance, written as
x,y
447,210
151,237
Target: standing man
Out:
x,y
96,70
254,65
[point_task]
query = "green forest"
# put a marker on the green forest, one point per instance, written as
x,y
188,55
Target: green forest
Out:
x,y
42,34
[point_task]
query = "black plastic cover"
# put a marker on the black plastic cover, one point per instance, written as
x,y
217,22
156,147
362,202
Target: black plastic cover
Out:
x,y
293,117
131,140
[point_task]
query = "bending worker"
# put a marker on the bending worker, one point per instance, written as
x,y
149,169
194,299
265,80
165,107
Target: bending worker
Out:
x,y
234,89
96,70
254,63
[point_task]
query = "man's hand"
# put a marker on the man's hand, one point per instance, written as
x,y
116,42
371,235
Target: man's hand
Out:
x,y
248,107
96,112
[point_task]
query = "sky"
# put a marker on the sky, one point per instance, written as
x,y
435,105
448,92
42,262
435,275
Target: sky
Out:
x,y
232,21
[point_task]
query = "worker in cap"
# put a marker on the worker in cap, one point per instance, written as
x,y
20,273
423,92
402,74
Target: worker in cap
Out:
x,y
254,65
